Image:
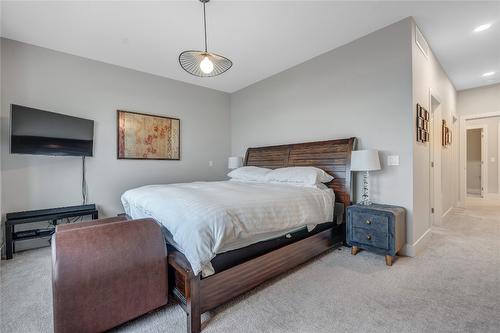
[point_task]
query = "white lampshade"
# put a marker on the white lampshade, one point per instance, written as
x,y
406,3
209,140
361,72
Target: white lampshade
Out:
x,y
234,162
365,160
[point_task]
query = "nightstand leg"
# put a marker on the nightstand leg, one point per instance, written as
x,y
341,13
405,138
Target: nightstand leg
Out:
x,y
354,250
388,260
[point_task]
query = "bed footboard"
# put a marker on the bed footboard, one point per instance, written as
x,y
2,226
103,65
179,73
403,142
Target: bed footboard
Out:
x,y
197,295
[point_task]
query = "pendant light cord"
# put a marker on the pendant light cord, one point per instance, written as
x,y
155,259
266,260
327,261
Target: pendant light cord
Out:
x,y
200,62
205,25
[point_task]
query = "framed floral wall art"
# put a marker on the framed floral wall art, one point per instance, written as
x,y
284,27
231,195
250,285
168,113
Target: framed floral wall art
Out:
x,y
148,137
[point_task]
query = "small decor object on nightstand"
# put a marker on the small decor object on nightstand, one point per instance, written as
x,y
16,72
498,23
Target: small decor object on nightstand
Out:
x,y
376,228
365,160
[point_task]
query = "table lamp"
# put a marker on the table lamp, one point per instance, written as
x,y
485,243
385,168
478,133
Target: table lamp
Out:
x,y
365,160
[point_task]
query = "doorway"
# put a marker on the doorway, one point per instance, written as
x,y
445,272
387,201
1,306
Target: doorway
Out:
x,y
476,173
490,153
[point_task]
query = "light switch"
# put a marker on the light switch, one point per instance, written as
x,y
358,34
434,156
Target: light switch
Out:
x,y
492,160
210,163
393,160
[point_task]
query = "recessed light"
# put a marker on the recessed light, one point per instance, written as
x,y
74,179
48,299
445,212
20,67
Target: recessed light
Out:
x,y
488,74
483,27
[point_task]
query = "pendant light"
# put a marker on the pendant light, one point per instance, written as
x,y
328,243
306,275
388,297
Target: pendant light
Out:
x,y
204,63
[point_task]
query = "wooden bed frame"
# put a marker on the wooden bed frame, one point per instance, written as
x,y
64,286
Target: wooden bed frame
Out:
x,y
197,295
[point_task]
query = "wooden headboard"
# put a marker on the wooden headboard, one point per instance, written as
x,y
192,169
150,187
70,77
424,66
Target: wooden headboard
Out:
x,y
333,156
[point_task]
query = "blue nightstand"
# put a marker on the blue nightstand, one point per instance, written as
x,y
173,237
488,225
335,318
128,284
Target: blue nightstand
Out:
x,y
376,228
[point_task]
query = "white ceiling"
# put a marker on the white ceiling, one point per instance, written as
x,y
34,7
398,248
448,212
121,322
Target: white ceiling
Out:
x,y
260,37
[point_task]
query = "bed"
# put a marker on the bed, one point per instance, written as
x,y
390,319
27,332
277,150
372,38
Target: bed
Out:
x,y
207,219
214,257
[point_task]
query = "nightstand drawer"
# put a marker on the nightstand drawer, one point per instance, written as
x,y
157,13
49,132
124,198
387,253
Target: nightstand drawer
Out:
x,y
369,221
370,237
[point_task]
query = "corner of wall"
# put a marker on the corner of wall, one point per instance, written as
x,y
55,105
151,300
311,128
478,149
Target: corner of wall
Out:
x,y
413,250
428,77
1,100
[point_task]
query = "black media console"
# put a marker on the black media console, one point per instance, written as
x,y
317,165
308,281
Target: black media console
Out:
x,y
53,215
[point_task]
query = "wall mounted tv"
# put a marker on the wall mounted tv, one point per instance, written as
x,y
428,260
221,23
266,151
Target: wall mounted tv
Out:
x,y
41,132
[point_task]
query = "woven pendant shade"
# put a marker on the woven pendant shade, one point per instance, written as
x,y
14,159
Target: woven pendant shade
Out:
x,y
204,63
190,61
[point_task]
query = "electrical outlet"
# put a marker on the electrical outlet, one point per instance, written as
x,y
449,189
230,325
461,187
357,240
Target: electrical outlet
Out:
x,y
393,160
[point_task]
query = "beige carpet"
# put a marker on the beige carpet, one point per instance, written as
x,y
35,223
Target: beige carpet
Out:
x,y
453,286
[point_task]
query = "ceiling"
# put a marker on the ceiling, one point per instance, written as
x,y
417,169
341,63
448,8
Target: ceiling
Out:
x,y
260,37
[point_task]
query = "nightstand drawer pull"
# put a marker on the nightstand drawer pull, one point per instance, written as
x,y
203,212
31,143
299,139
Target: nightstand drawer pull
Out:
x,y
370,221
372,238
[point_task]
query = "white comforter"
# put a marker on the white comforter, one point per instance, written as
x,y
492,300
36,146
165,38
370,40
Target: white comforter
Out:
x,y
206,218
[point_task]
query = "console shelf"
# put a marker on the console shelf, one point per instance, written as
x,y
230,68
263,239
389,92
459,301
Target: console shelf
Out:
x,y
53,215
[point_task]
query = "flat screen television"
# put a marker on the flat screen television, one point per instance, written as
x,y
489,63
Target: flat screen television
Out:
x,y
41,132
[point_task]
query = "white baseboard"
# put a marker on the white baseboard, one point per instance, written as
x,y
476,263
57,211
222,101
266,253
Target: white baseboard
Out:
x,y
492,196
447,212
481,202
474,190
412,250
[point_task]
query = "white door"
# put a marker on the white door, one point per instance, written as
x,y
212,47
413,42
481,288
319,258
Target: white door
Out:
x,y
483,165
432,195
435,196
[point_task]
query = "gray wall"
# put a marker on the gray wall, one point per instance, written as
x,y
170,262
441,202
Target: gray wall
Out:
x,y
361,89
479,100
59,82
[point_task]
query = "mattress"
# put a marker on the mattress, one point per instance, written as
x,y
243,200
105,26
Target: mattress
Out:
x,y
210,218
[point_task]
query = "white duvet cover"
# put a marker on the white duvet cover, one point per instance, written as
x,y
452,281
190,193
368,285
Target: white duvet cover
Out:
x,y
206,218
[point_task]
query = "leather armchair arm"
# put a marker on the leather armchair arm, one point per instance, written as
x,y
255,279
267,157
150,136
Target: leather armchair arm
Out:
x,y
71,226
106,274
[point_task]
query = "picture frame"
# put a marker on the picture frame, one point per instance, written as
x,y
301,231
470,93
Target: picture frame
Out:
x,y
445,134
142,136
422,124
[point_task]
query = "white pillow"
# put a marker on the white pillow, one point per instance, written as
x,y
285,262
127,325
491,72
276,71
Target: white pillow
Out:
x,y
298,175
249,173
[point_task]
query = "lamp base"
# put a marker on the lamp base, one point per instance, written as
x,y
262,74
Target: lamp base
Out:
x,y
365,197
365,202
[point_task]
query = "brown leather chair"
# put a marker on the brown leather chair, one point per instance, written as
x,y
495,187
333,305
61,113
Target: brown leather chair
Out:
x,y
106,272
